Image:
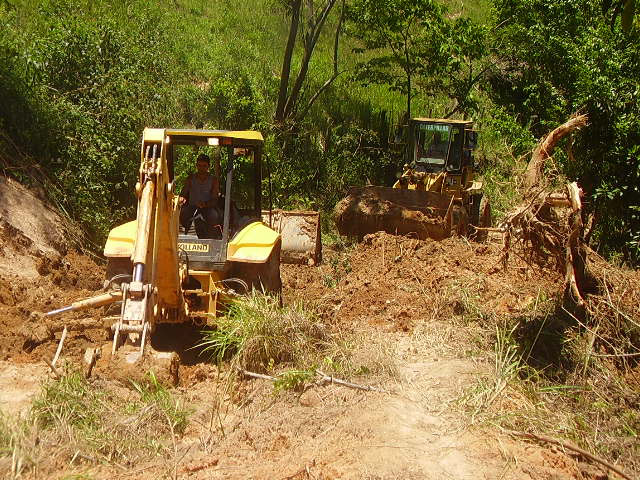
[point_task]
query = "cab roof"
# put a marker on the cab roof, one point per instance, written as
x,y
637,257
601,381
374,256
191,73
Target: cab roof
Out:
x,y
236,137
442,120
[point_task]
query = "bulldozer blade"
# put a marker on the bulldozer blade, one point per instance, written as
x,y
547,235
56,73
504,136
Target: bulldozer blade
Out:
x,y
300,233
422,214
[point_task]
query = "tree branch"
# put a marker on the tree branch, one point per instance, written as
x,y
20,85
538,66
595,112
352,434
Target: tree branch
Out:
x,y
569,446
336,73
315,96
472,82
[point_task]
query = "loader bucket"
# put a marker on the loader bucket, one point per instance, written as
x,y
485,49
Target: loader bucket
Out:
x,y
397,211
300,233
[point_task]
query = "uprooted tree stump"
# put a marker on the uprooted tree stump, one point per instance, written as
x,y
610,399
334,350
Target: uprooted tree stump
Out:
x,y
548,232
550,228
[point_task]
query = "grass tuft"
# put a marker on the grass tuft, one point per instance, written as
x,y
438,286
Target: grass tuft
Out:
x,y
257,333
76,421
159,402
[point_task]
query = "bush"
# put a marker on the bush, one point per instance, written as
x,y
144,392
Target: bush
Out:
x,y
556,59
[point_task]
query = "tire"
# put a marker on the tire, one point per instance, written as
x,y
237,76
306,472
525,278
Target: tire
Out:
x,y
269,276
474,209
264,277
460,220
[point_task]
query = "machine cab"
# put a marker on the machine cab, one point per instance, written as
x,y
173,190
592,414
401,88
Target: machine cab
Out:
x,y
236,161
440,145
439,155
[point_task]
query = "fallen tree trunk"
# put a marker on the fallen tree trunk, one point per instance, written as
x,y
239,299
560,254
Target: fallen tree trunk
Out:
x,y
575,265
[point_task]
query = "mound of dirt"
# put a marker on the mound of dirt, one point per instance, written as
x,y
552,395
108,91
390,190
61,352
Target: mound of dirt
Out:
x,y
372,209
27,335
38,273
397,282
388,284
27,221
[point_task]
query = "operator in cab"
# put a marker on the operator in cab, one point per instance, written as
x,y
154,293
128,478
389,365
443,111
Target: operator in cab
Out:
x,y
438,147
199,200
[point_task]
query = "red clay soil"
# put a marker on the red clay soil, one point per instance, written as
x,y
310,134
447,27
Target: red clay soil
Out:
x,y
62,280
395,282
387,282
389,285
371,209
379,293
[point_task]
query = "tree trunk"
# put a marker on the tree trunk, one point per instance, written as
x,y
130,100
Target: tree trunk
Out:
x,y
336,73
409,95
311,39
533,174
408,72
286,64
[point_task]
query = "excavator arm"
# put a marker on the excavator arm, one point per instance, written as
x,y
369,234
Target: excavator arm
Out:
x,y
153,288
155,284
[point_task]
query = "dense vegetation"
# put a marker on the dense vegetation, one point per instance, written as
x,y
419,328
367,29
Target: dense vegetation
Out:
x,y
79,80
565,56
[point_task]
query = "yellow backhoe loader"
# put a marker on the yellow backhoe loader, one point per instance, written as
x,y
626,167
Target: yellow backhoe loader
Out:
x,y
160,274
435,196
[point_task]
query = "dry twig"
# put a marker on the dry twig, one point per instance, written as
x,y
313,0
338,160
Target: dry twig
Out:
x,y
59,350
324,378
329,379
569,446
55,371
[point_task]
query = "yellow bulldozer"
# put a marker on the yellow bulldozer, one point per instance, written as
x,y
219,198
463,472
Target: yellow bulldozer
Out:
x,y
160,273
436,194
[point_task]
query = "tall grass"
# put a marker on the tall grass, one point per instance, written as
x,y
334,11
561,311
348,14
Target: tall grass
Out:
x,y
257,333
547,378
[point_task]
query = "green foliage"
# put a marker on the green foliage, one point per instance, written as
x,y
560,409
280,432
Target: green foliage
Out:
x,y
413,46
340,267
623,9
501,139
89,89
80,80
559,58
256,333
317,167
70,400
292,379
5,437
